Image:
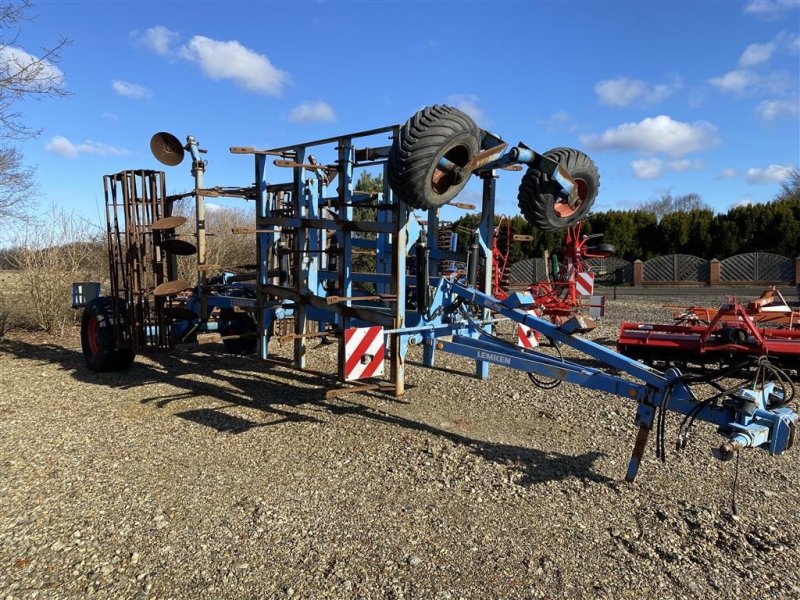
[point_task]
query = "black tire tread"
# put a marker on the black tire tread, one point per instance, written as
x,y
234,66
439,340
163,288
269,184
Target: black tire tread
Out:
x,y
109,357
236,323
420,139
537,191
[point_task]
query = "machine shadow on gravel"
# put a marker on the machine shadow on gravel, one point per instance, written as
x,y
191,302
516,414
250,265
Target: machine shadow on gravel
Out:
x,y
235,386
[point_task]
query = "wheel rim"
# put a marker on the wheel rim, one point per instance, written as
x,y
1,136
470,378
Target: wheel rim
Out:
x,y
442,179
92,337
562,206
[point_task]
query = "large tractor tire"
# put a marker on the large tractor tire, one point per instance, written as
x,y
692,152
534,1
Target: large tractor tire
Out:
x,y
232,323
413,168
99,329
541,199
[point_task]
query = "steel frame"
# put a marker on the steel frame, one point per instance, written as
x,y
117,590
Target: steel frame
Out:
x,y
134,200
307,234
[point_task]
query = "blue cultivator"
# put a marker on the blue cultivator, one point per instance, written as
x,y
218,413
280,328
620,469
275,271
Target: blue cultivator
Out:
x,y
309,228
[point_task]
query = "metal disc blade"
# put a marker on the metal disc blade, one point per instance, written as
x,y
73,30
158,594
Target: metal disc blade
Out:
x,y
169,223
166,148
179,313
170,288
179,247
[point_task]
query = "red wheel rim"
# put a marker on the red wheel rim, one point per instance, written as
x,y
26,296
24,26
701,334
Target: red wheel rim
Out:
x,y
562,207
92,336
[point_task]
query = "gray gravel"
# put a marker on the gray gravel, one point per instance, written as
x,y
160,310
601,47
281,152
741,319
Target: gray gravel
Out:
x,y
200,475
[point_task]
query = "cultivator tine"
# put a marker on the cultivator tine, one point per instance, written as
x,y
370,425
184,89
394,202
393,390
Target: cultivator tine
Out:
x,y
168,223
292,165
251,150
171,288
338,299
208,267
484,158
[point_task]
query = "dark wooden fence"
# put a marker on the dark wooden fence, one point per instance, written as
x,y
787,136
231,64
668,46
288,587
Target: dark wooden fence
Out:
x,y
754,268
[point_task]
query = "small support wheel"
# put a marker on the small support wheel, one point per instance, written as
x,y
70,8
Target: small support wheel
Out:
x,y
232,323
542,200
603,250
433,133
101,329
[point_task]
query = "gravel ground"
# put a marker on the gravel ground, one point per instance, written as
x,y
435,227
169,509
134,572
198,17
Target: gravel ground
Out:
x,y
200,475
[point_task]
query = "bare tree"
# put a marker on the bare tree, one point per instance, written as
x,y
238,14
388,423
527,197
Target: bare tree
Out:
x,y
223,248
22,76
668,203
49,254
790,188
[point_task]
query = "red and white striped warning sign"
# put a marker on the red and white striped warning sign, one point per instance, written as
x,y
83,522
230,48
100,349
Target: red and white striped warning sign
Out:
x,y
363,352
584,284
527,337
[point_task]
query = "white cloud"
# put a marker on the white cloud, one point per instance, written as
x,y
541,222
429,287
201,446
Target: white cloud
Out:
x,y
63,147
772,174
560,120
158,39
770,9
736,81
230,60
624,92
653,168
560,116
772,109
110,116
131,90
784,42
647,168
656,135
777,82
755,54
312,112
218,59
789,42
727,173
41,75
467,103
746,81
684,164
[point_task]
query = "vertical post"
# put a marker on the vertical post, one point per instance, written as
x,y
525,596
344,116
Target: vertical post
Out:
x,y
398,284
638,272
345,163
198,169
486,239
265,243
797,276
433,241
384,254
713,272
299,252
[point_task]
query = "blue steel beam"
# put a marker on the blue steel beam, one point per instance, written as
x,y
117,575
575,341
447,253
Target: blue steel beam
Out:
x,y
613,359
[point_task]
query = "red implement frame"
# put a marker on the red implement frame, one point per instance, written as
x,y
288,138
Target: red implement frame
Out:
x,y
732,332
769,309
559,298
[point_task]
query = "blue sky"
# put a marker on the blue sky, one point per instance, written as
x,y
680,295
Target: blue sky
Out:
x,y
680,96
